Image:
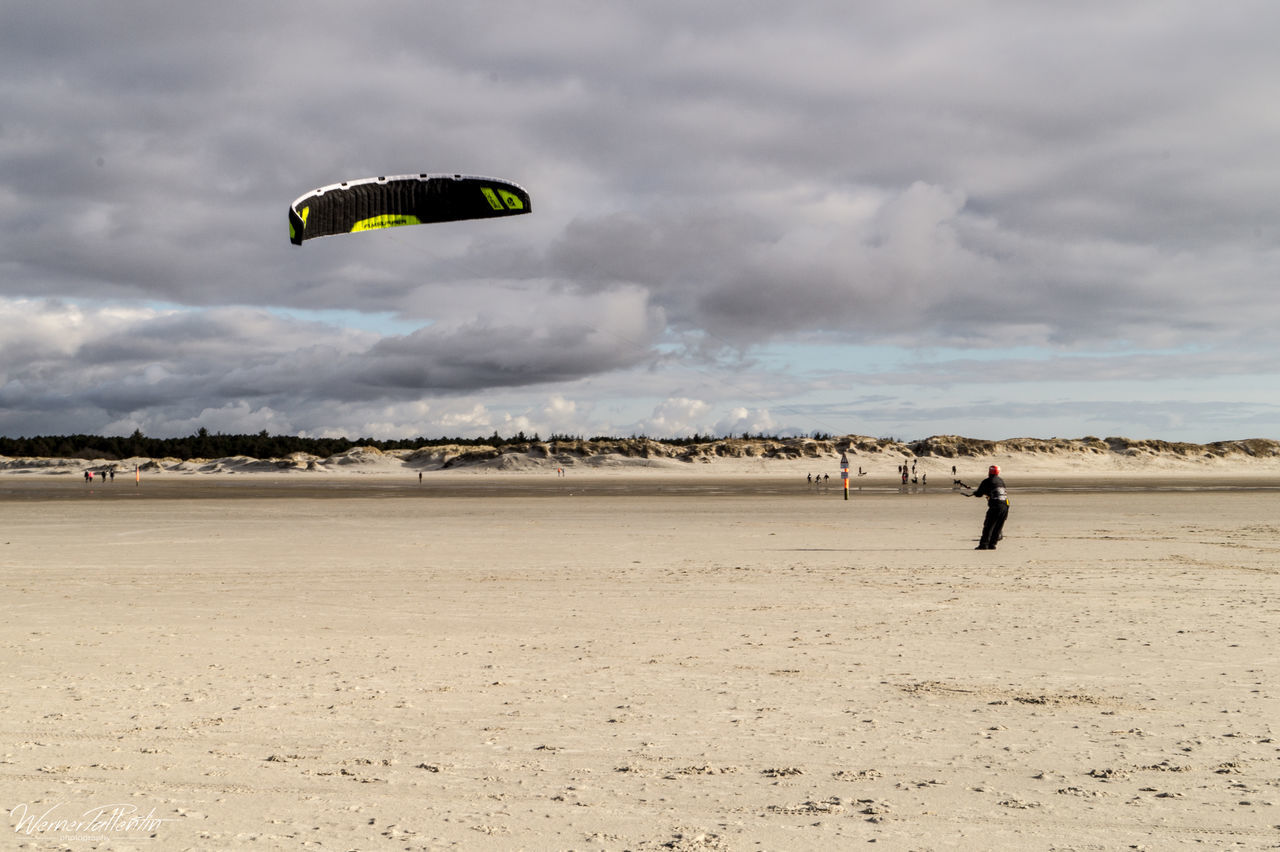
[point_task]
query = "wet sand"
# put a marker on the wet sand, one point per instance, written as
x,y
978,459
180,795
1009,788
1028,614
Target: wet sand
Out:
x,y
638,663
616,484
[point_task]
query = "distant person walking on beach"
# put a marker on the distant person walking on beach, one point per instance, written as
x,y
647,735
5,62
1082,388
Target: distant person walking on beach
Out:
x,y
997,507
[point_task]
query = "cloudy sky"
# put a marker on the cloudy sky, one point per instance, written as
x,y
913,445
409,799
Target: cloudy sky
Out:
x,y
993,219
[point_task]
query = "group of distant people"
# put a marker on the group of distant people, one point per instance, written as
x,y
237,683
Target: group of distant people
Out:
x,y
823,479
922,479
102,475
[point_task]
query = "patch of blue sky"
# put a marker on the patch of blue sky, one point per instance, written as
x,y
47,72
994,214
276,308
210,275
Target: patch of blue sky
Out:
x,y
826,357
385,323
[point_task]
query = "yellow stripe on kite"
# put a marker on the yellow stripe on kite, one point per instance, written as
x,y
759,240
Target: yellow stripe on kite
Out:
x,y
384,221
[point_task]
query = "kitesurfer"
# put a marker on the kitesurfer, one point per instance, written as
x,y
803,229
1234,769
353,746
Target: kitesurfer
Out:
x,y
993,489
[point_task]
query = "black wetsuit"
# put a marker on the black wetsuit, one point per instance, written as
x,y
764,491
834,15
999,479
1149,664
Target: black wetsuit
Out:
x,y
997,510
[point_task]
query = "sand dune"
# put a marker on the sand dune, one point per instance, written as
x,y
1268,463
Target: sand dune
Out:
x,y
934,456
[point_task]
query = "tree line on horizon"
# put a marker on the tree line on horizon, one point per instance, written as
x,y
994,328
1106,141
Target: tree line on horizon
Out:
x,y
206,445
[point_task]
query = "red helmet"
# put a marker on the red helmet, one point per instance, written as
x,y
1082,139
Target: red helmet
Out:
x,y
994,470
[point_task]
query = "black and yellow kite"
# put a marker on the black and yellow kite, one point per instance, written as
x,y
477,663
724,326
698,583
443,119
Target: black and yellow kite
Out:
x,y
388,202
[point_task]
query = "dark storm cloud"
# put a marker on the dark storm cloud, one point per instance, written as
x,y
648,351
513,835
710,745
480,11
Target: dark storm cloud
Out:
x,y
118,361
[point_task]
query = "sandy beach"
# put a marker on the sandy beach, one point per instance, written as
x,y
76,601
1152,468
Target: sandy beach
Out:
x,y
638,662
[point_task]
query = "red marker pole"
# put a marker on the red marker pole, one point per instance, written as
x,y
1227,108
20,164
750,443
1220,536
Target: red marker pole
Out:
x,y
844,473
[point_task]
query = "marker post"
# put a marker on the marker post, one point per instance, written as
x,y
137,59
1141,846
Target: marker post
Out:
x,y
844,473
